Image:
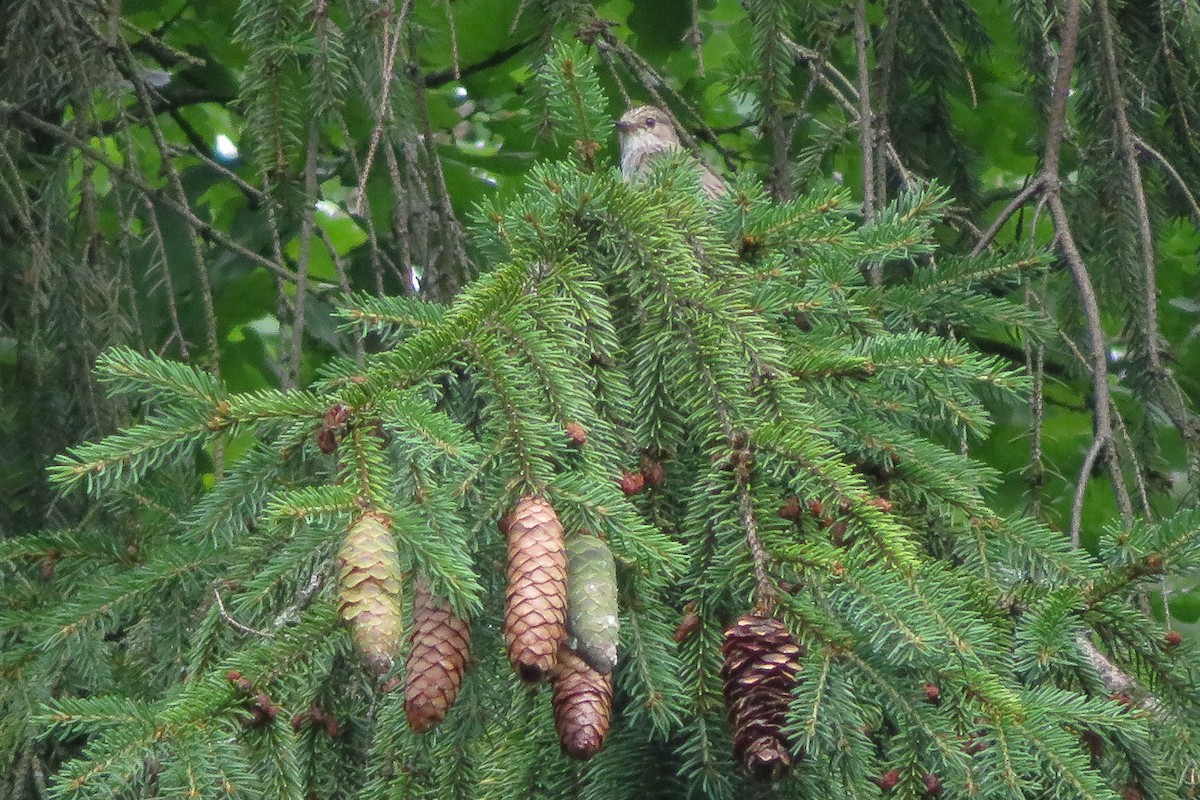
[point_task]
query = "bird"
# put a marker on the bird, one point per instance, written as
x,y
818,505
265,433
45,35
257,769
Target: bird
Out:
x,y
646,132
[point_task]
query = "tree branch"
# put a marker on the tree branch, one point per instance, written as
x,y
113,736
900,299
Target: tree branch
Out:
x,y
1055,135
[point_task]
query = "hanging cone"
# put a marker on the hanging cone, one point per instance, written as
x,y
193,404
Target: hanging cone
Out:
x,y
592,601
369,590
761,662
441,645
535,608
582,705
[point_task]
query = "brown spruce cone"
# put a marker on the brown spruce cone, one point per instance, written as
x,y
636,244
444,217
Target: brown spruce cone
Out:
x,y
441,645
582,705
535,608
369,589
761,662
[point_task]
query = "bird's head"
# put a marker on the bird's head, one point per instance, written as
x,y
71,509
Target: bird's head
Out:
x,y
647,125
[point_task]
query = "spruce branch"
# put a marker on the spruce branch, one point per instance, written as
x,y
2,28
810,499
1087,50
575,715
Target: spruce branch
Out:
x,y
151,194
1102,442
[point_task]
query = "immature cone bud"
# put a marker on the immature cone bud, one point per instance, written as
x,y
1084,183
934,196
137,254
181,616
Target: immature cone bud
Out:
x,y
761,662
582,705
535,608
441,645
592,601
369,590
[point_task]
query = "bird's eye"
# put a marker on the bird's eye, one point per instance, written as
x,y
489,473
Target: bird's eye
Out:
x,y
650,122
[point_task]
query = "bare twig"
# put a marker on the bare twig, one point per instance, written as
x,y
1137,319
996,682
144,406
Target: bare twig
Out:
x,y
1173,173
135,180
1031,188
225,615
1115,679
391,46
866,140
1098,355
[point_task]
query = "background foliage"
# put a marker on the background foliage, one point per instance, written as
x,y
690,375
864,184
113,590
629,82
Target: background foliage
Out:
x,y
207,181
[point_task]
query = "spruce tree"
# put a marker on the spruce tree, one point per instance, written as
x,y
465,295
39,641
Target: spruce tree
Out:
x,y
760,407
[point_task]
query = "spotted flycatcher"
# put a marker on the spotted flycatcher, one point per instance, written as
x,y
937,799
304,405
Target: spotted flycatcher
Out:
x,y
647,132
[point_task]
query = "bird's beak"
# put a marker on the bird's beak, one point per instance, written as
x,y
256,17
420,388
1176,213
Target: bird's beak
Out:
x,y
623,126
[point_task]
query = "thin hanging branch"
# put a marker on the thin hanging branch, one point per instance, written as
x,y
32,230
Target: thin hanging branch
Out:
x,y
1056,133
866,128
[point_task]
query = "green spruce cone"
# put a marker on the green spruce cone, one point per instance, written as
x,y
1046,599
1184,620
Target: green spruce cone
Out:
x,y
592,601
369,590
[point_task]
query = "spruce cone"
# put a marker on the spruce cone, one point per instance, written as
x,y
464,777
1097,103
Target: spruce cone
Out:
x,y
582,705
369,590
535,608
592,601
761,662
441,644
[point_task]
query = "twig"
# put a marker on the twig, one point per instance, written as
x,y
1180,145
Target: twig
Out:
x,y
138,182
696,37
1176,178
388,67
304,598
846,96
1055,134
865,128
1085,472
1128,152
1031,188
225,615
1115,679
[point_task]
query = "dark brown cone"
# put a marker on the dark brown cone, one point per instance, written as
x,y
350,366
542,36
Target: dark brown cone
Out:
x,y
761,662
535,608
582,705
441,645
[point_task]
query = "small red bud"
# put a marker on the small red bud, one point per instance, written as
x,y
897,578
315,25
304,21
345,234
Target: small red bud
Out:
x,y
973,746
1172,638
790,509
576,433
298,721
689,623
652,471
233,676
881,503
332,728
336,415
1121,699
933,784
263,701
932,693
888,780
326,441
815,508
631,483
